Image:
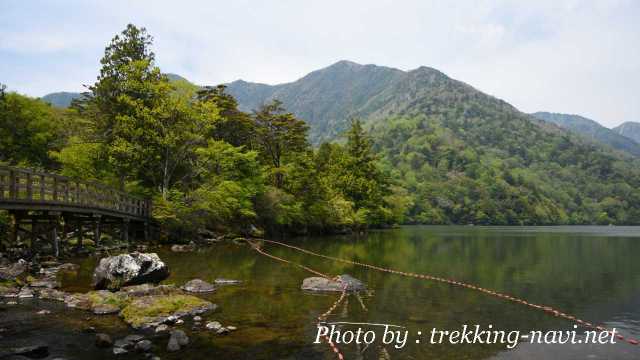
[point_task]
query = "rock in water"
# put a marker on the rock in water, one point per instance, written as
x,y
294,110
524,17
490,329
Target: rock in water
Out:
x,y
13,271
129,269
103,341
321,284
198,286
177,340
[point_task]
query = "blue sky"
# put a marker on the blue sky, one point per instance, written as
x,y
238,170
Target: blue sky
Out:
x,y
567,56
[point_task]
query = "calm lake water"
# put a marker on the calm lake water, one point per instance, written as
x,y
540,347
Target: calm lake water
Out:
x,y
590,272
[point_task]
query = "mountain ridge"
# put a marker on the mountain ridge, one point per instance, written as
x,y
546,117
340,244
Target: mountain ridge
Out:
x,y
592,130
629,130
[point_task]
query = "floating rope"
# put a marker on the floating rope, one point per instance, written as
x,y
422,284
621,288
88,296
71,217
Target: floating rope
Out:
x,y
322,317
547,309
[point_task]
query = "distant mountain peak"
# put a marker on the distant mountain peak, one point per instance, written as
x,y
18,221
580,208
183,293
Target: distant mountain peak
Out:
x,y
630,130
591,129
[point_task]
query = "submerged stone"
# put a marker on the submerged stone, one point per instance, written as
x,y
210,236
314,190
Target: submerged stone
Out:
x,y
198,286
322,284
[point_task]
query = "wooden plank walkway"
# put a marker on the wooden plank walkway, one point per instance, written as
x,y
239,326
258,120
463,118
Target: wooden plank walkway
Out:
x,y
44,205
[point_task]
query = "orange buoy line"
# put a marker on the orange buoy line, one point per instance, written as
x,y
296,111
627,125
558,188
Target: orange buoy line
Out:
x,y
547,309
322,317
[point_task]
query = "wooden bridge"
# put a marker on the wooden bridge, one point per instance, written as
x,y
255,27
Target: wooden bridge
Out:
x,y
47,209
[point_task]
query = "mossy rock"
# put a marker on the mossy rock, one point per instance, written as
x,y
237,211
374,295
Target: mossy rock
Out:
x,y
152,310
103,297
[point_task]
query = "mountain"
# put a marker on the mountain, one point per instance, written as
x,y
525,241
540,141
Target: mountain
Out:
x,y
629,130
459,155
592,129
61,99
325,98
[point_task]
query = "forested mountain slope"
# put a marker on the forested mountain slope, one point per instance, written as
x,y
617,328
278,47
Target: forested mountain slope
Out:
x,y
463,156
591,129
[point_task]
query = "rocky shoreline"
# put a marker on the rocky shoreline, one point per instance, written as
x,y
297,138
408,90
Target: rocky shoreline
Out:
x,y
147,307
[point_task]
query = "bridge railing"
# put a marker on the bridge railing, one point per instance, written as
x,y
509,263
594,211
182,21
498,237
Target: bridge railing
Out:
x,y
27,186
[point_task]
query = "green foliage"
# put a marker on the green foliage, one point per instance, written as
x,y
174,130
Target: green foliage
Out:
x,y
453,176
29,128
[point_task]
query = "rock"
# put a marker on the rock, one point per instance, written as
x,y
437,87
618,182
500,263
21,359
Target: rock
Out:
x,y
45,283
133,338
78,301
69,267
177,340
103,341
43,312
36,351
52,294
183,248
213,325
122,344
322,284
226,281
162,328
198,286
179,322
13,271
10,291
25,293
119,351
197,318
222,331
143,346
115,272
89,330
148,289
105,309
232,328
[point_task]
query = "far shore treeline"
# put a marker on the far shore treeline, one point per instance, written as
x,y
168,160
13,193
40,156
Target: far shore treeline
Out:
x,y
208,165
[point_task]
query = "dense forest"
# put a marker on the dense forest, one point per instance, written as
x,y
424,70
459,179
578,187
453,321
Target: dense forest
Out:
x,y
427,150
206,164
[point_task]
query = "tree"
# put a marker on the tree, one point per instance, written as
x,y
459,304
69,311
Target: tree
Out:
x,y
234,126
277,134
128,94
29,129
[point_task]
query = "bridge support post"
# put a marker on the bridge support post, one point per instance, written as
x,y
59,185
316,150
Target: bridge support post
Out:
x,y
54,237
80,234
96,232
14,229
124,236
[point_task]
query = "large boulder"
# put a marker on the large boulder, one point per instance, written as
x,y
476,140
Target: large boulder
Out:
x,y
322,284
115,272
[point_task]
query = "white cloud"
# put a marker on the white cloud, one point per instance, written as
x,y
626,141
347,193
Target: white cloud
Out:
x,y
568,56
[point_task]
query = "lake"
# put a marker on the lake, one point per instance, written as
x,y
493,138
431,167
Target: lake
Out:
x,y
590,272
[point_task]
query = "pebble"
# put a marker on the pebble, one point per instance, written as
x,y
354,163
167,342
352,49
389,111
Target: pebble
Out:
x,y
162,328
143,346
214,325
119,351
43,312
197,318
232,328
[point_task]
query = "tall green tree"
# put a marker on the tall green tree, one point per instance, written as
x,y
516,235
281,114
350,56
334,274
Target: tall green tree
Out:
x,y
128,95
278,134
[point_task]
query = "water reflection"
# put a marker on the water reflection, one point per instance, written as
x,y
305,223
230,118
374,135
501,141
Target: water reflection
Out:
x,y
591,272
